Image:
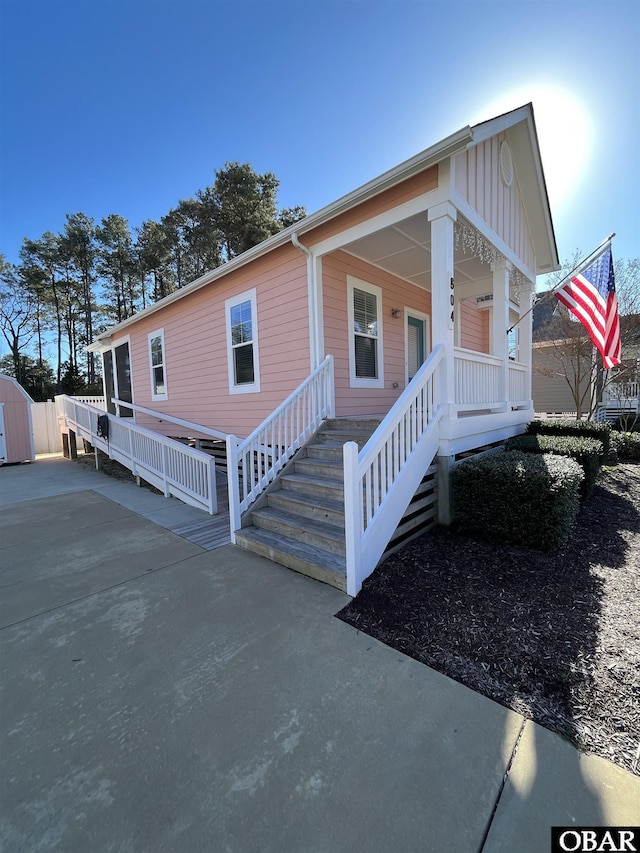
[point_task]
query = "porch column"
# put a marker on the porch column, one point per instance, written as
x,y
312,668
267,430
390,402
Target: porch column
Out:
x,y
500,324
442,218
525,335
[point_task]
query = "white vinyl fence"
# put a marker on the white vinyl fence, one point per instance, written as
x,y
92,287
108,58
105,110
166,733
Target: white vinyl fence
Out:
x,y
46,432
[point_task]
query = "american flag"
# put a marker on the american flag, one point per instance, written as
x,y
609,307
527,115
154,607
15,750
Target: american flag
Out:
x,y
590,295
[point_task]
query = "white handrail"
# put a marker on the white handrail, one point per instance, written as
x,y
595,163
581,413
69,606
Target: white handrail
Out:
x,y
214,433
178,470
381,479
254,463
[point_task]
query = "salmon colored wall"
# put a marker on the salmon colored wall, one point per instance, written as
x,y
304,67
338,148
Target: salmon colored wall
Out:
x,y
474,327
477,179
195,347
396,293
17,430
419,184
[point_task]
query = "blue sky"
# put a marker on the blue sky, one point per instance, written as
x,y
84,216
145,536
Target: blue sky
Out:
x,y
126,106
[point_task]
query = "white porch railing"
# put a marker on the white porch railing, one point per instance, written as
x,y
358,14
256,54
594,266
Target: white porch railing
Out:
x,y
97,402
380,481
518,374
254,463
177,470
621,392
478,379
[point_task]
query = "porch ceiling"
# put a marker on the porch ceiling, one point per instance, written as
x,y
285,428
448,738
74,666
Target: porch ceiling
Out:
x,y
404,250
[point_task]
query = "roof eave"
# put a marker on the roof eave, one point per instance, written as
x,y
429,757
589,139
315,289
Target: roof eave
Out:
x,y
413,166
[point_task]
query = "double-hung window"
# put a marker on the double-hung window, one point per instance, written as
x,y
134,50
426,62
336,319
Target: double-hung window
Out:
x,y
242,343
157,364
364,310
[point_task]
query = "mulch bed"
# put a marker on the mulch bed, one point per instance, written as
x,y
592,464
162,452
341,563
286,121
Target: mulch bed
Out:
x,y
113,469
555,637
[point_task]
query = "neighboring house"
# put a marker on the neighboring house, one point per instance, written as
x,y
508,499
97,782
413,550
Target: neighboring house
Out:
x,y
567,375
395,298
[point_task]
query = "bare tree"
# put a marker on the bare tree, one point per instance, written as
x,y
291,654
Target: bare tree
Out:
x,y
17,316
573,355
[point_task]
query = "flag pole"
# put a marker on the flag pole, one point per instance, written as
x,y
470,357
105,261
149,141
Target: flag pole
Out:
x,y
583,263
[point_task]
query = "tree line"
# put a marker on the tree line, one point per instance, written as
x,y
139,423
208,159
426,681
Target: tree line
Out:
x,y
69,287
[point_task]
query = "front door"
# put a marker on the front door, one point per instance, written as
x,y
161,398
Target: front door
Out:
x,y
416,344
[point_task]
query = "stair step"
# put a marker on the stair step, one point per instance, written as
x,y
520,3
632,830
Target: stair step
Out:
x,y
325,450
322,486
307,531
314,467
322,509
335,436
313,562
359,424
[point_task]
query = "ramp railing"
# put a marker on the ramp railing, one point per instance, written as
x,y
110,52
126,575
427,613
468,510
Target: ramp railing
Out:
x,y
170,466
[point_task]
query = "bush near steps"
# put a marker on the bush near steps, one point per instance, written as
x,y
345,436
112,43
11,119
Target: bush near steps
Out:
x,y
526,499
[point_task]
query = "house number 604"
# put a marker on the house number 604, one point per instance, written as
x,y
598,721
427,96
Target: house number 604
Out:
x,y
451,298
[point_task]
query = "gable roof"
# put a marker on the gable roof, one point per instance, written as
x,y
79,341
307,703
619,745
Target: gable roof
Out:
x,y
523,140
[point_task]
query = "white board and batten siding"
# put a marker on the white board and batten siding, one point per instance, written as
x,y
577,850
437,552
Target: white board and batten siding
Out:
x,y
477,178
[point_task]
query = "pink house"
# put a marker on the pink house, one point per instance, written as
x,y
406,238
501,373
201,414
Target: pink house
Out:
x,y
344,358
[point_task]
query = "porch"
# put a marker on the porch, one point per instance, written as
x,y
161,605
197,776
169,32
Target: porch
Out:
x,y
620,400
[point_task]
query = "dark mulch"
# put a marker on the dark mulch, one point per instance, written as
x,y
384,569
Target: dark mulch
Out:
x,y
554,637
113,469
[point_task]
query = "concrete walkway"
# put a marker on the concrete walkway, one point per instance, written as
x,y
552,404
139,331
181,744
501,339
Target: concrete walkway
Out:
x,y
161,697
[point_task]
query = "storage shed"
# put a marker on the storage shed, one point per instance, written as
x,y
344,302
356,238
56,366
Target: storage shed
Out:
x,y
16,429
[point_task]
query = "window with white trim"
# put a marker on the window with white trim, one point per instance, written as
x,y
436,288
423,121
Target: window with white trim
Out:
x,y
365,334
242,343
157,365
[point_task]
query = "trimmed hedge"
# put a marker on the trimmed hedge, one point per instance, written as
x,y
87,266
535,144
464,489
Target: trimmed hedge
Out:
x,y
567,426
587,452
521,498
627,423
626,445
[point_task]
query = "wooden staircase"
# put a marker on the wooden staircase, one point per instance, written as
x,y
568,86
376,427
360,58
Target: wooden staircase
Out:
x,y
299,522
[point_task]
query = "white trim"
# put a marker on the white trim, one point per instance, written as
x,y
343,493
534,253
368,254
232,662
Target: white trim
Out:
x,y
118,342
319,312
158,333
419,204
3,437
357,381
426,319
252,387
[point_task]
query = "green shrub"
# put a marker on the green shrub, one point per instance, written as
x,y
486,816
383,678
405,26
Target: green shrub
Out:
x,y
567,426
521,498
587,452
627,423
626,445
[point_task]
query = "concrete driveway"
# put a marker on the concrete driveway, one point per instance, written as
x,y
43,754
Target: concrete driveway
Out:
x,y
159,697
